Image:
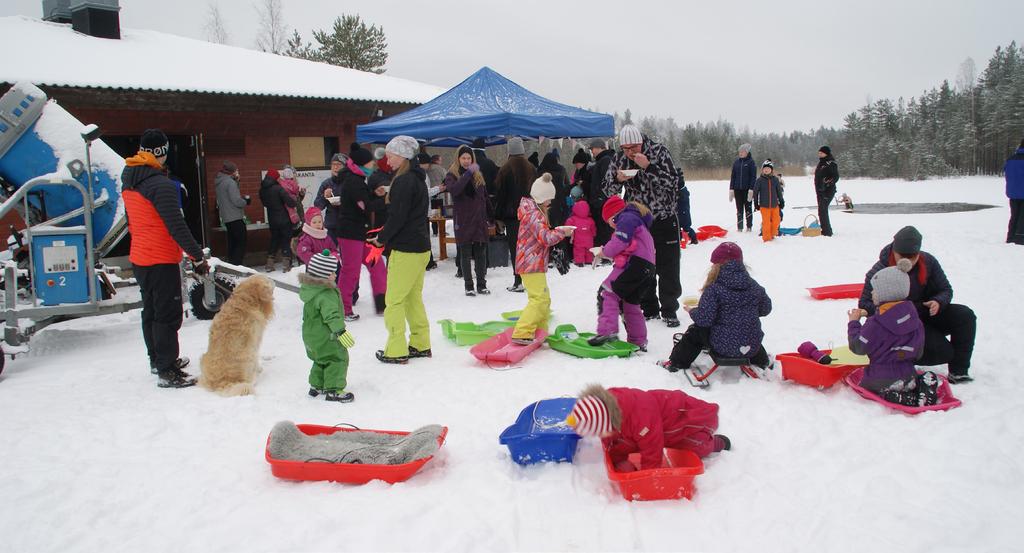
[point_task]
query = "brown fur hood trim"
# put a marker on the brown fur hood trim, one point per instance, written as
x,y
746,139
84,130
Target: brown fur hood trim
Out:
x,y
609,401
314,281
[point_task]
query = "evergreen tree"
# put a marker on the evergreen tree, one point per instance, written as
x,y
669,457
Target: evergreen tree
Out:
x,y
350,43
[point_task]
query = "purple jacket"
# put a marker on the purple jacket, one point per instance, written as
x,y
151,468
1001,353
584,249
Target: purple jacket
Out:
x,y
892,340
731,307
309,244
631,237
470,203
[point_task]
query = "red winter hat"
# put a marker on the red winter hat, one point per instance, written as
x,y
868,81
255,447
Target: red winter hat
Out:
x,y
612,207
727,251
272,173
313,212
590,416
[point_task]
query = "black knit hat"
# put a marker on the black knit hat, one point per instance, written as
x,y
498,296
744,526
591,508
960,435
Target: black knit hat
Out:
x,y
581,157
361,156
826,150
907,241
423,159
479,144
154,141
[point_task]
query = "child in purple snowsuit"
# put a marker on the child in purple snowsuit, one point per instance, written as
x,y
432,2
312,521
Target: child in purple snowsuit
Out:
x,y
583,236
632,249
893,339
314,238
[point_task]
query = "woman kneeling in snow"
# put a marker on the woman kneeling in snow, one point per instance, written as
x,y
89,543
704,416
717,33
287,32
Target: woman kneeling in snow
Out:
x,y
646,421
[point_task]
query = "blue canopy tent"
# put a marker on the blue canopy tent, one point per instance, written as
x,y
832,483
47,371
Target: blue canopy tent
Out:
x,y
489,106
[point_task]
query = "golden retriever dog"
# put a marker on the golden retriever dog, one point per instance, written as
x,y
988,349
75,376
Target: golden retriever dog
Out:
x,y
231,361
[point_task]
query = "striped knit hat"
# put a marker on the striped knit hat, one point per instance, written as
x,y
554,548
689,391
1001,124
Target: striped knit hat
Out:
x,y
322,265
629,134
590,417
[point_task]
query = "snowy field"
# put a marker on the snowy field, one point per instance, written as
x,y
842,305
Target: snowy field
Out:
x,y
97,458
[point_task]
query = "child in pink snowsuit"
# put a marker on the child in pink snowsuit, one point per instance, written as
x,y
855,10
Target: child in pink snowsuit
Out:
x,y
632,249
583,236
646,421
314,238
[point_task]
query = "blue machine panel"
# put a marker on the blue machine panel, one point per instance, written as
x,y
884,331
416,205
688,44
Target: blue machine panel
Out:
x,y
60,270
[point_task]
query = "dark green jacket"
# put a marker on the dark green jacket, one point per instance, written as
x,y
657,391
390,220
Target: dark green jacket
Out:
x,y
323,318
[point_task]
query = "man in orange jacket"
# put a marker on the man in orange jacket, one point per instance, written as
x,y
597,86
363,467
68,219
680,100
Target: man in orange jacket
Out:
x,y
159,236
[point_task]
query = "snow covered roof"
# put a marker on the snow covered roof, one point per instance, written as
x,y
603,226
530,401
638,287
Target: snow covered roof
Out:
x,y
53,54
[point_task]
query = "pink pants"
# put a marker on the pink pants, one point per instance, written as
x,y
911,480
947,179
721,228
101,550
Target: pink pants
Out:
x,y
581,253
353,254
632,317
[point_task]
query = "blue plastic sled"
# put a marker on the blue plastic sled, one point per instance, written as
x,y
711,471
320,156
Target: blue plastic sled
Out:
x,y
540,434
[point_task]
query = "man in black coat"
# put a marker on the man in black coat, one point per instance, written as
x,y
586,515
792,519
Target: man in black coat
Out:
x,y
932,294
826,174
488,168
277,200
596,196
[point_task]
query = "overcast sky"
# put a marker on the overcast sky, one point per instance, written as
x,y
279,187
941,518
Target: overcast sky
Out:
x,y
770,65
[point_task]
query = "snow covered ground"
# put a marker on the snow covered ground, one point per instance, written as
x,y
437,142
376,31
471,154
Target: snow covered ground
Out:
x,y
97,458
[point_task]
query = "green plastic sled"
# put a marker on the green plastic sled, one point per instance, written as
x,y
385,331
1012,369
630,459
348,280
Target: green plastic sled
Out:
x,y
471,334
566,339
514,315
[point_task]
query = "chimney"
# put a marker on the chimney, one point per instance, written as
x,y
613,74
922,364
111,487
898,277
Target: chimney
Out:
x,y
57,11
96,18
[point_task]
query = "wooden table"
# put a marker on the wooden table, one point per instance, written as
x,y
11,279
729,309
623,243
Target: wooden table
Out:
x,y
442,236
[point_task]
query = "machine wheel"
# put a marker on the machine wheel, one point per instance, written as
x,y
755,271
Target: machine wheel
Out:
x,y
205,312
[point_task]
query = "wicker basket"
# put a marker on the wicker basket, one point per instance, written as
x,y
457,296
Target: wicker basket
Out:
x,y
809,230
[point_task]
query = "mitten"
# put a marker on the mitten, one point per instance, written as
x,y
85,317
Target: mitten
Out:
x,y
346,340
810,351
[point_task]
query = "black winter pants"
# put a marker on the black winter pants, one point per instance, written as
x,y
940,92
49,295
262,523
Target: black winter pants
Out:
x,y
744,208
1015,232
473,254
280,239
825,200
960,324
697,339
667,290
161,312
236,236
512,235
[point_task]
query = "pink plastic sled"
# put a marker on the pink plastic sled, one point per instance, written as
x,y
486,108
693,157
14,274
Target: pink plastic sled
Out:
x,y
837,291
946,399
500,349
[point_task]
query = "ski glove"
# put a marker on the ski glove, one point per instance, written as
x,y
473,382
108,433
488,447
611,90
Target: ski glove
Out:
x,y
346,340
732,195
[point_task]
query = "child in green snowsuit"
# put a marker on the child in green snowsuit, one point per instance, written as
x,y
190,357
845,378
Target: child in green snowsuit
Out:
x,y
323,328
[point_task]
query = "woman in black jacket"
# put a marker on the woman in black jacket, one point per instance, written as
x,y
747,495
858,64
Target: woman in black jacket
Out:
x,y
351,228
408,235
826,174
513,183
550,164
276,200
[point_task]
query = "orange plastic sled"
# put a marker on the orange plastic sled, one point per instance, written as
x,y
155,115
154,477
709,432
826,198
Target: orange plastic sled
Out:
x,y
837,291
673,480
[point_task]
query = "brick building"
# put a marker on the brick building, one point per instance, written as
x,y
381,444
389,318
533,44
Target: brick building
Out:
x,y
214,102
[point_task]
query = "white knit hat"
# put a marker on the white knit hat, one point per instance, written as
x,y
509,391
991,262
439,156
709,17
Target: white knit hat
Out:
x,y
891,283
322,265
629,134
543,189
590,417
404,146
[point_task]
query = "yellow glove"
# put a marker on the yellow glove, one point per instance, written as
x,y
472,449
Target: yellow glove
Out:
x,y
346,340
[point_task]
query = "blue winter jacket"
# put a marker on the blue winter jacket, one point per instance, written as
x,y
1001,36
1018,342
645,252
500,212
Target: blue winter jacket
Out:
x,y
744,173
1014,170
732,307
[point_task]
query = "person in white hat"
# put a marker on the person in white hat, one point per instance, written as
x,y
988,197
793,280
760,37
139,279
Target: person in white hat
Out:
x,y
652,180
407,234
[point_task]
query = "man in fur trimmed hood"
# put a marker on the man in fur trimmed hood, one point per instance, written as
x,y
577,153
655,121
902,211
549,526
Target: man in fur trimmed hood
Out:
x,y
646,421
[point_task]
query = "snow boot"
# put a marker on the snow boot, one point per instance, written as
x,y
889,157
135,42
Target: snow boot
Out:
x,y
602,339
522,341
470,292
516,288
378,303
671,322
340,396
415,353
722,442
179,363
928,388
287,265
313,392
175,378
271,265
958,378
351,317
483,291
391,360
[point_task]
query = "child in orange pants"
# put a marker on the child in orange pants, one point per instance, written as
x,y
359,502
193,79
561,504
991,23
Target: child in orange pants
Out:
x,y
768,200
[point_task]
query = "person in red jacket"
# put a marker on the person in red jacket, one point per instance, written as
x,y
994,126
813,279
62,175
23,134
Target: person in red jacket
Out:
x,y
159,237
646,421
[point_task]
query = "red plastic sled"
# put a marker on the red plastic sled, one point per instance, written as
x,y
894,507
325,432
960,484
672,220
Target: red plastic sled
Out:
x,y
500,349
673,480
349,473
710,231
809,372
946,399
837,291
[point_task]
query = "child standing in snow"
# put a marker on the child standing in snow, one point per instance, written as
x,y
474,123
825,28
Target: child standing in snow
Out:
x,y
727,318
768,200
533,245
583,236
314,237
632,249
323,328
646,421
893,339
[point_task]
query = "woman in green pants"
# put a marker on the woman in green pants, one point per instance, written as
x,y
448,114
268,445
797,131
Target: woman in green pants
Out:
x,y
407,234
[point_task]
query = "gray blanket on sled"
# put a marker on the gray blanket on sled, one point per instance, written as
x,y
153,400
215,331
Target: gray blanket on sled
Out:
x,y
289,443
